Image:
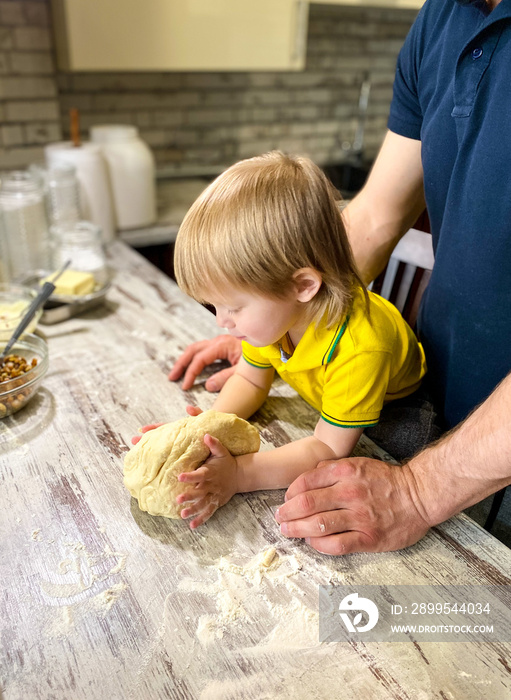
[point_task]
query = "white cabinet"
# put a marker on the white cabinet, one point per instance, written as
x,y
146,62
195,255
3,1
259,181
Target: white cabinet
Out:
x,y
180,35
398,4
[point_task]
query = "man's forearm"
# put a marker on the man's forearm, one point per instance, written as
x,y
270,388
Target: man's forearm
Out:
x,y
468,464
276,469
372,241
387,206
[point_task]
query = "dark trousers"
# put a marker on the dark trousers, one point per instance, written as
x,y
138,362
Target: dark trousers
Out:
x,y
407,425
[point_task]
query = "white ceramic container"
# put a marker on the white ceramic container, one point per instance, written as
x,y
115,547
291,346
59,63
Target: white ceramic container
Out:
x,y
132,174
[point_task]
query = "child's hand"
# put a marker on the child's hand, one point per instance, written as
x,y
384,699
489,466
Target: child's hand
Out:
x,y
193,410
211,485
144,429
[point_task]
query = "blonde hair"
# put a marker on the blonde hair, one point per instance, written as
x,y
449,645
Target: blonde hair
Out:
x,y
259,222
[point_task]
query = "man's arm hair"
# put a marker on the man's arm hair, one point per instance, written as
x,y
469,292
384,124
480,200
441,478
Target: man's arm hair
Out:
x,y
470,462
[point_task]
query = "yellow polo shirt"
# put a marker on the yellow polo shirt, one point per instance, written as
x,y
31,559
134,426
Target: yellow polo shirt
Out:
x,y
349,371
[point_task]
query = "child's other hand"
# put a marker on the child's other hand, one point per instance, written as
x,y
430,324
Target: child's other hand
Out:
x,y
211,485
193,410
144,429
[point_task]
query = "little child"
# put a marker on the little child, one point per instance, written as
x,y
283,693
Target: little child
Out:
x,y
265,245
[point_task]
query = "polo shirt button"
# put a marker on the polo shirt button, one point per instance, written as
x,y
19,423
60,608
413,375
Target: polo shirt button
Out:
x,y
477,53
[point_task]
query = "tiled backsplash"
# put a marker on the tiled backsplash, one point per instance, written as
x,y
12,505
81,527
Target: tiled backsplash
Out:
x,y
29,101
195,121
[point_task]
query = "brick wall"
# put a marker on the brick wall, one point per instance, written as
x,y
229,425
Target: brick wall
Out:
x,y
29,108
202,121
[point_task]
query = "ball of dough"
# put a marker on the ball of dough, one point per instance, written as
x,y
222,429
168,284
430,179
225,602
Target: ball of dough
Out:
x,y
152,466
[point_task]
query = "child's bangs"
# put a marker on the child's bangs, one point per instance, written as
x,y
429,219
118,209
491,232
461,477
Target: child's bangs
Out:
x,y
203,263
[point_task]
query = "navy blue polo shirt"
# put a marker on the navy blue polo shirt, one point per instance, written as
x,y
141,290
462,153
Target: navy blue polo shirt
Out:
x,y
453,92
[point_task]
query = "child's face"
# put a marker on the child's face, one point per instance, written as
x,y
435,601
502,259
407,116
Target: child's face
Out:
x,y
259,320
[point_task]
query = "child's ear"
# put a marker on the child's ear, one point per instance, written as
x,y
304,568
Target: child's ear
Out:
x,y
307,283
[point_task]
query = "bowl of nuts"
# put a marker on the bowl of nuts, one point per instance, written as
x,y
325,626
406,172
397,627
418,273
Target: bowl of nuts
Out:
x,y
21,372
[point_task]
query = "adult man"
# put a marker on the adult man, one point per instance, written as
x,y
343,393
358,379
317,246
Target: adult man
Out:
x,y
449,146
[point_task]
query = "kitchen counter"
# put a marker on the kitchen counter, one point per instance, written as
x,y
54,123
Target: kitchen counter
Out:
x,y
101,600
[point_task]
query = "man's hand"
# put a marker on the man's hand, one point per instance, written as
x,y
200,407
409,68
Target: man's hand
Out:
x,y
354,505
203,353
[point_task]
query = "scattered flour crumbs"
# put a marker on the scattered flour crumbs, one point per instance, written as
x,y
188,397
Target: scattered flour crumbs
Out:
x,y
245,627
239,591
229,616
76,587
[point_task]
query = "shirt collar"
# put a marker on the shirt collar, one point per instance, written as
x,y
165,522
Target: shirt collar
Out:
x,y
476,3
483,6
316,347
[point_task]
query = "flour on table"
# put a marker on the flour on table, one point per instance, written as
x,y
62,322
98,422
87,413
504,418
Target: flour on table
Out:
x,y
260,607
68,617
229,606
120,556
106,599
260,566
207,630
240,590
62,623
297,628
75,587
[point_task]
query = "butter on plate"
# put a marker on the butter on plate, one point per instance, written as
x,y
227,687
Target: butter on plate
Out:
x,y
72,283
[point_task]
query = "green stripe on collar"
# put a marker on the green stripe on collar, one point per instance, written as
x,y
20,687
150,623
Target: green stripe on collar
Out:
x,y
335,342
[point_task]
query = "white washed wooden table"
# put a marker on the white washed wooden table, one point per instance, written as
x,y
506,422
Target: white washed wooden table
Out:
x,y
101,600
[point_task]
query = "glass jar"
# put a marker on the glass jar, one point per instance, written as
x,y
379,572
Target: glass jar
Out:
x,y
60,186
81,243
94,189
25,224
5,273
132,174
